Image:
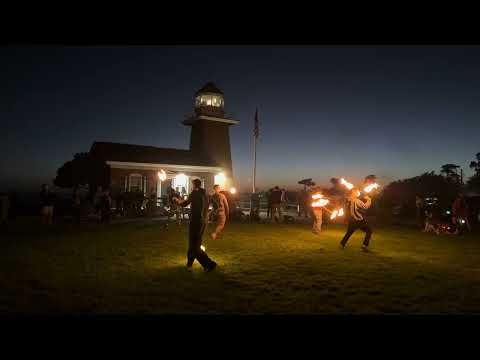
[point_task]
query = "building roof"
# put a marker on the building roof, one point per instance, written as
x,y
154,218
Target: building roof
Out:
x,y
209,87
109,151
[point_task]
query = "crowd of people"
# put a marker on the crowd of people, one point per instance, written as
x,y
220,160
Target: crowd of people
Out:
x,y
431,218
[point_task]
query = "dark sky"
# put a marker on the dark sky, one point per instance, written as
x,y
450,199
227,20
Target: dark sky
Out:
x,y
324,110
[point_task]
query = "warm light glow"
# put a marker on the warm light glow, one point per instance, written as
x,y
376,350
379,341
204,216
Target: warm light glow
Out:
x,y
317,196
162,175
233,191
220,179
340,212
320,203
345,183
181,180
370,187
202,247
334,214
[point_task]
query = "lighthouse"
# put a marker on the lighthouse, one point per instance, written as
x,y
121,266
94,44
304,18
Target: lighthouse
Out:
x,y
210,137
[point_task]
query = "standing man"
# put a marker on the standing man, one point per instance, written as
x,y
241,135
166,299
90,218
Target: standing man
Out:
x,y
420,211
356,219
276,199
460,211
221,210
317,212
47,205
198,222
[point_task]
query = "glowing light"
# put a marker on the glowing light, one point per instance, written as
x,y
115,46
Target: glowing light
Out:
x,y
334,214
320,203
340,212
181,180
233,191
462,221
162,175
345,183
370,187
220,179
317,196
202,247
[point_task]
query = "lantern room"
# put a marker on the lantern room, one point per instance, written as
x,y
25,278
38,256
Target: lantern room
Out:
x,y
209,101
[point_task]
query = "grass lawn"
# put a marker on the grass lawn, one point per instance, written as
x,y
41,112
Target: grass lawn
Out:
x,y
285,269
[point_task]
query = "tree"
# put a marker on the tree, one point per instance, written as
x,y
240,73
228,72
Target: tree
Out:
x,y
403,192
450,172
82,170
475,165
474,181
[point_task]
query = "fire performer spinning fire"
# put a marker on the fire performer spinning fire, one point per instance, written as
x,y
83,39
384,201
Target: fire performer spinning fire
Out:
x,y
318,202
356,220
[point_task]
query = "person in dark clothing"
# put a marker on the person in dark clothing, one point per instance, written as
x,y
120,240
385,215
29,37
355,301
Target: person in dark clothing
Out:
x,y
76,205
198,201
47,200
269,204
356,219
121,203
276,199
106,206
420,214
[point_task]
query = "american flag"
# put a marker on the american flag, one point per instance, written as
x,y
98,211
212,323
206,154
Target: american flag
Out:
x,y
255,128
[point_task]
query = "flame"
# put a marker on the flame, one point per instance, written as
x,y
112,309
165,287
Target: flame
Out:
x,y
162,175
320,203
233,191
370,187
340,212
202,247
317,196
348,185
334,214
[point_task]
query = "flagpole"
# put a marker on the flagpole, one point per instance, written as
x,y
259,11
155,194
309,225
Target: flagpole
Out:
x,y
254,162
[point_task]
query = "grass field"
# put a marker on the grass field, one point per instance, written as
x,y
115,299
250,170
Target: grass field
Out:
x,y
263,269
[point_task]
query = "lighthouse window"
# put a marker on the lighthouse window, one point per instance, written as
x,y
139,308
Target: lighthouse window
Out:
x,y
209,100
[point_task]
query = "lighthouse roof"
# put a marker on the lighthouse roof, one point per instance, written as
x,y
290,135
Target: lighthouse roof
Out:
x,y
209,87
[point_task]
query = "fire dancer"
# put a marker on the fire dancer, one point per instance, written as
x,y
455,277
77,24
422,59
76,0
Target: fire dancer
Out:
x,y
317,212
356,220
198,221
221,210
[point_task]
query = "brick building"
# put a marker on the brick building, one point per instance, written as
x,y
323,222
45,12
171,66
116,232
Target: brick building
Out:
x,y
150,169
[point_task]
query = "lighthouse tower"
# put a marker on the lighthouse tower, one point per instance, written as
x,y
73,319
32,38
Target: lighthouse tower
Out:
x,y
209,137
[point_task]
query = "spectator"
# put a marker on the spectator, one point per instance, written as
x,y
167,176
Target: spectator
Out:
x,y
106,205
76,205
460,211
47,200
276,204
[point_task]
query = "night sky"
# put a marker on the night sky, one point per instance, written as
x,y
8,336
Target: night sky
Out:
x,y
324,111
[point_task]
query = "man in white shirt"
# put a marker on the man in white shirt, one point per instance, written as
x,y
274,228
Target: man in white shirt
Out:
x,y
356,219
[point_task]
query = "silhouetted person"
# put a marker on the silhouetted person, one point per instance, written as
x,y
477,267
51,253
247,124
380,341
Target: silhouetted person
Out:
x,y
76,205
221,210
269,203
106,206
47,203
97,201
276,203
420,214
121,203
198,201
460,211
356,219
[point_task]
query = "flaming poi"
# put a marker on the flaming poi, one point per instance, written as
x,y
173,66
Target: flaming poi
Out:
x,y
370,187
345,183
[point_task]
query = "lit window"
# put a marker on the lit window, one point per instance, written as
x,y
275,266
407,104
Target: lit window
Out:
x,y
135,182
220,179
